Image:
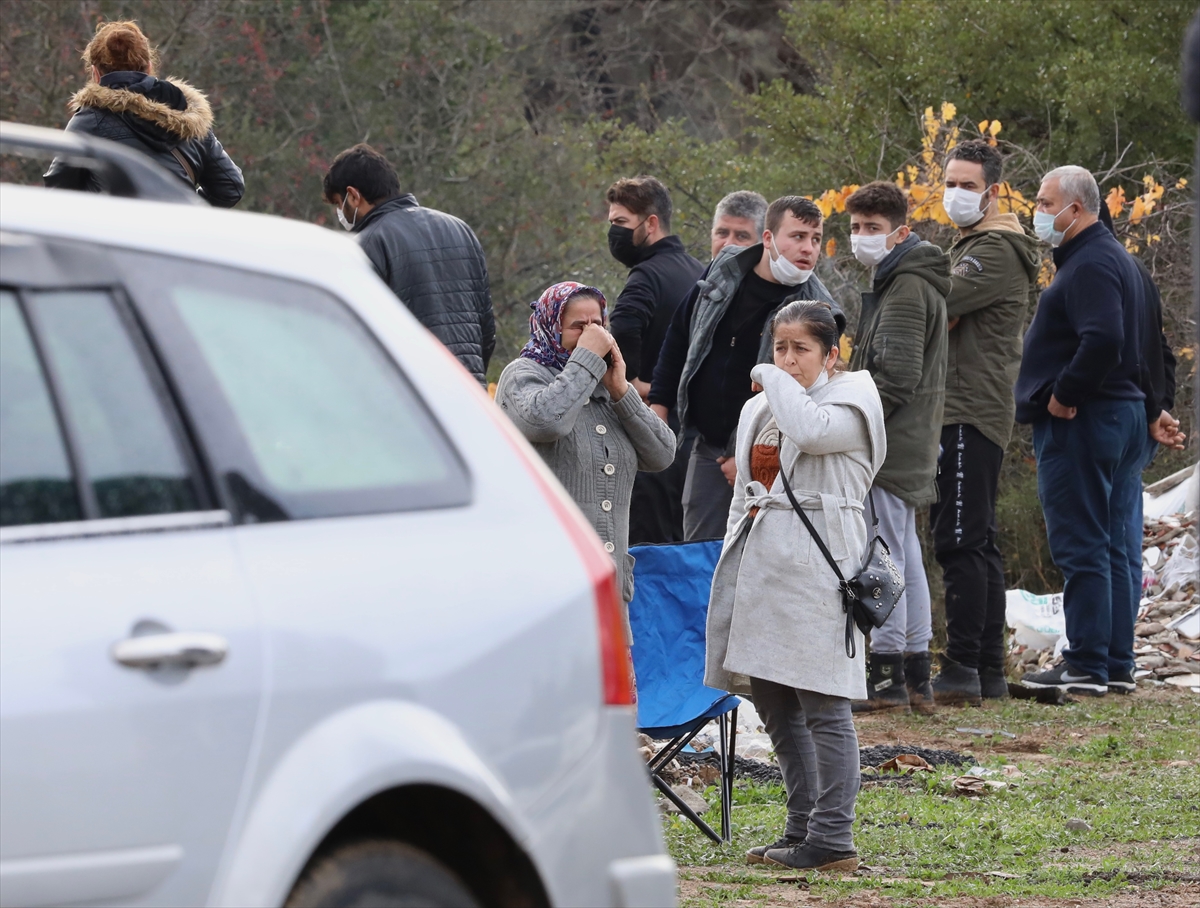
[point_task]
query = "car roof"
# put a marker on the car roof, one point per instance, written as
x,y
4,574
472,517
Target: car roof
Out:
x,y
256,242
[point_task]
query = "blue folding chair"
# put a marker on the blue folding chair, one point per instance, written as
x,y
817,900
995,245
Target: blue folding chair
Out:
x,y
667,616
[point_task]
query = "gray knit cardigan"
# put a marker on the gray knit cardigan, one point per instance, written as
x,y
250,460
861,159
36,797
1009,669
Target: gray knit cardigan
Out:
x,y
593,444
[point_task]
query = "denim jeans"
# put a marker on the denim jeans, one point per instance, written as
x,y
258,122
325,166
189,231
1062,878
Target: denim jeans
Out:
x,y
1089,480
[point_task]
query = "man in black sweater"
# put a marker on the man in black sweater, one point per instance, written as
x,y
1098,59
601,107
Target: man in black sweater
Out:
x,y
1080,385
661,274
716,338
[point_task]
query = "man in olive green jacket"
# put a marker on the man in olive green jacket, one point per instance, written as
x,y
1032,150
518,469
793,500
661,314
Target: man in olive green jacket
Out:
x,y
993,265
901,341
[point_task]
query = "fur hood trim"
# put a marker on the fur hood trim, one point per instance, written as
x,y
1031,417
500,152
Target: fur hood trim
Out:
x,y
193,123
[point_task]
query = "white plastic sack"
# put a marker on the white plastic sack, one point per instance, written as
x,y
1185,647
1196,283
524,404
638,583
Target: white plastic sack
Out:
x,y
1182,567
1036,621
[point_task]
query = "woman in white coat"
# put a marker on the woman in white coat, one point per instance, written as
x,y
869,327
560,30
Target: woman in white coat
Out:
x,y
776,626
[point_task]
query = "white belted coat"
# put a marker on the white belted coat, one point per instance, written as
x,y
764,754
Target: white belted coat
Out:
x,y
775,611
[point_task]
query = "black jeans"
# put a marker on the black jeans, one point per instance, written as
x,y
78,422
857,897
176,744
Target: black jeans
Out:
x,y
964,540
656,503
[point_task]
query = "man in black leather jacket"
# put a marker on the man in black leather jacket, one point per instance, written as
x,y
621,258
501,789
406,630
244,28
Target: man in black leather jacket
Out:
x,y
167,119
432,261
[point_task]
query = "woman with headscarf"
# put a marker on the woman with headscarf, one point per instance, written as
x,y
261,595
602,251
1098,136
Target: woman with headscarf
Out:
x,y
567,394
776,626
167,119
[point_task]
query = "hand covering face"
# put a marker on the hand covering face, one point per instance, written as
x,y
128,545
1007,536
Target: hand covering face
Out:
x,y
545,324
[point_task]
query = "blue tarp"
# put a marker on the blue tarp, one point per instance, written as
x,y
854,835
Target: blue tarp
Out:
x,y
667,616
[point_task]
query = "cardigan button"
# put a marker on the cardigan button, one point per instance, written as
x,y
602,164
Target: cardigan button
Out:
x,y
609,547
606,505
609,469
601,430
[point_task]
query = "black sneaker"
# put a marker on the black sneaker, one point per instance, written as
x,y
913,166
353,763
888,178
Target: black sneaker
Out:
x,y
756,855
1121,682
956,684
813,857
1066,678
993,684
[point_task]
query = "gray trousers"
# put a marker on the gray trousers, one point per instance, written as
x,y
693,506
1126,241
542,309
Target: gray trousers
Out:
x,y
707,495
910,626
817,748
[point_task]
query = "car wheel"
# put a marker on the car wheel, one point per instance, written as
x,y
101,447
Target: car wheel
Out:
x,y
379,874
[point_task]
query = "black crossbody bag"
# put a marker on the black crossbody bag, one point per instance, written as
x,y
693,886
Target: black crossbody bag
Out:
x,y
869,597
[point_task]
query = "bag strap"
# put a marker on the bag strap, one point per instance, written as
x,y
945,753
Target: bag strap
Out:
x,y
808,523
187,168
847,594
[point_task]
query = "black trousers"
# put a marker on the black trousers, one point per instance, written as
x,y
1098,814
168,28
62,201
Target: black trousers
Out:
x,y
964,540
656,503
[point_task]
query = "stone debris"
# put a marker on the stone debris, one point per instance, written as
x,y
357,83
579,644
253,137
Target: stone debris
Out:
x,y
689,797
974,786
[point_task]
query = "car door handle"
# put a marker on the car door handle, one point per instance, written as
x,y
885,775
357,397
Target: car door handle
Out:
x,y
187,649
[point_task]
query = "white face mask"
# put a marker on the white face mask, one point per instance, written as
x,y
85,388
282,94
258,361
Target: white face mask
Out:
x,y
785,272
962,205
870,250
1043,226
820,380
341,216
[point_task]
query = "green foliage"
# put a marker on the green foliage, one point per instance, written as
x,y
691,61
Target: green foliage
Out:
x,y
1076,79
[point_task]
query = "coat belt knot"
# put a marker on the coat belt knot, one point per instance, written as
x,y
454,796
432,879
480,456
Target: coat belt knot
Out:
x,y
757,496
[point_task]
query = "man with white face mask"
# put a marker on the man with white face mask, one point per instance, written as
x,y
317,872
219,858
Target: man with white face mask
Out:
x,y
1080,386
901,341
431,260
717,336
993,264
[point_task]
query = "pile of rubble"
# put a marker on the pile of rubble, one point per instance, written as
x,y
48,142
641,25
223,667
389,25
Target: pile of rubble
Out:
x,y
1167,632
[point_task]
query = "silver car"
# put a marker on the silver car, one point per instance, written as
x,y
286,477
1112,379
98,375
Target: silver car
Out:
x,y
288,613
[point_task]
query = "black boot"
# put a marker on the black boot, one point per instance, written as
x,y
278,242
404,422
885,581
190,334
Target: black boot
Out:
x,y
916,675
885,684
993,684
956,684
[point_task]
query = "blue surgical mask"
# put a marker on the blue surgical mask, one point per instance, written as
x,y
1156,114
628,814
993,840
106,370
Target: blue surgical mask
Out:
x,y
1043,226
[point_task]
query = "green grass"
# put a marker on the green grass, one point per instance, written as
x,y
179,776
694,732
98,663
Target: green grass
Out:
x,y
1102,761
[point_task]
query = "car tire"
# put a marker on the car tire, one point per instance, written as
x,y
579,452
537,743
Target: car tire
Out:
x,y
379,874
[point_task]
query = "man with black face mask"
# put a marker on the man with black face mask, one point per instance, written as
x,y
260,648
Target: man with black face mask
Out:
x,y
661,274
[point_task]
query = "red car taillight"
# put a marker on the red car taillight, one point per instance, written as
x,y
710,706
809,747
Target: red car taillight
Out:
x,y
602,573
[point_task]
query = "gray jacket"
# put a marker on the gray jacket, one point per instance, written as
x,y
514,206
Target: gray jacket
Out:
x,y
593,444
714,295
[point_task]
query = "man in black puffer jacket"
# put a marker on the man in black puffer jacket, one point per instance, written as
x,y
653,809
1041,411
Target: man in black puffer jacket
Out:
x,y
431,260
167,119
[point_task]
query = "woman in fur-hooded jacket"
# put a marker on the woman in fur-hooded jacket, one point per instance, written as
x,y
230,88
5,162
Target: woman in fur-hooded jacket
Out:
x,y
167,119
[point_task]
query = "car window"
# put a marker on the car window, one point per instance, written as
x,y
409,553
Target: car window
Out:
x,y
320,409
36,484
302,411
127,448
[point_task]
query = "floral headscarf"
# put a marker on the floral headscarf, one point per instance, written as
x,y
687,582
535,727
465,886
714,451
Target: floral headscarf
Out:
x,y
545,325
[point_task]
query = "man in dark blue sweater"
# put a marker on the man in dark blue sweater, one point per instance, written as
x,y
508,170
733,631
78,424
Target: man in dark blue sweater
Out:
x,y
1080,387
